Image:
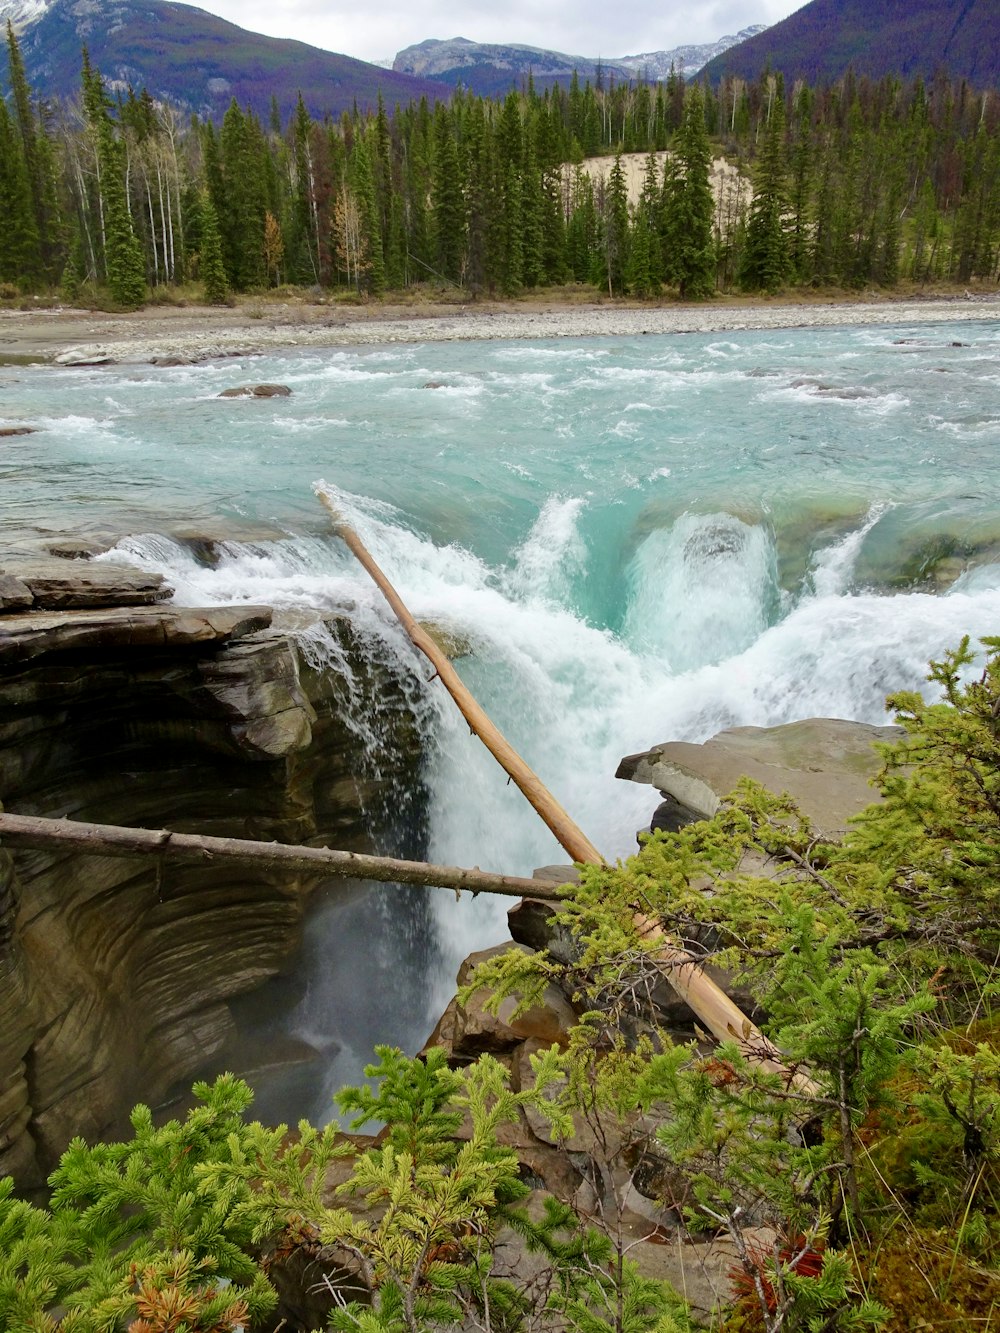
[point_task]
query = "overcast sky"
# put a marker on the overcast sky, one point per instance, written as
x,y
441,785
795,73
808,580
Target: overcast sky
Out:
x,y
377,29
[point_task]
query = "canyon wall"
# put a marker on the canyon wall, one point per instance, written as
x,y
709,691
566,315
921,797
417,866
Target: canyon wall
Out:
x,y
115,707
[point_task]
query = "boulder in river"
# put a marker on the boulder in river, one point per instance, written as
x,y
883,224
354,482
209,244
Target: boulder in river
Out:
x,y
825,764
258,391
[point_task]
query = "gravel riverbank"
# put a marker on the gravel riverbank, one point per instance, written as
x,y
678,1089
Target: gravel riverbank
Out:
x,y
204,333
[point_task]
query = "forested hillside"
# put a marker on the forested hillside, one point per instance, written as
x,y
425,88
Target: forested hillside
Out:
x,y
910,38
857,183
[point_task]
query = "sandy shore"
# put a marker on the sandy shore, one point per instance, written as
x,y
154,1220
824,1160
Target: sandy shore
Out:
x,y
201,333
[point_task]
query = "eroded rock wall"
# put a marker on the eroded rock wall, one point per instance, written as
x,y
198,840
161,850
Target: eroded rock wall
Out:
x,y
115,974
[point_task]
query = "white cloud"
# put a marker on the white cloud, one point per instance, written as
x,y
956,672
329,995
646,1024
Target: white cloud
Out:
x,y
580,27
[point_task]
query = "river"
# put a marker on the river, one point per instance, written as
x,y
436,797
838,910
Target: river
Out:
x,y
637,539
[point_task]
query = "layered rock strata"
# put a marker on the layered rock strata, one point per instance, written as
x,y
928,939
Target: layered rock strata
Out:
x,y
115,975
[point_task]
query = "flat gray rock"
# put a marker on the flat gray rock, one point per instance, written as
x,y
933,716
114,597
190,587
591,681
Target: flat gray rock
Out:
x,y
82,356
33,634
825,764
58,585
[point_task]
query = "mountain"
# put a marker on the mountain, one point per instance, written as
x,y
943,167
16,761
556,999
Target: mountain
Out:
x,y
194,60
490,68
22,12
687,60
875,37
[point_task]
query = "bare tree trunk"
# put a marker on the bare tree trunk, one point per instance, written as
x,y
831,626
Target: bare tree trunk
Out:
x,y
168,265
152,227
114,840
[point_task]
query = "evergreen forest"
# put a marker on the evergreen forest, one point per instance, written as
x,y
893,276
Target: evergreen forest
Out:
x,y
116,199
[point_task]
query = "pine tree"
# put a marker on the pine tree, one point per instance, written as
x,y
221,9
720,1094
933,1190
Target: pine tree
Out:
x,y
690,263
19,256
373,269
764,263
211,266
616,230
448,206
123,258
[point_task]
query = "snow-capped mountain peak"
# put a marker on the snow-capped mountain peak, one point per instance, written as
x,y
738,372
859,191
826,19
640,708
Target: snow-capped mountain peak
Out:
x,y
22,13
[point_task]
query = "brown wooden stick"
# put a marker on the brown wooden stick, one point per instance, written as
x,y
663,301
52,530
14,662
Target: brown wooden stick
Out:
x,y
114,840
563,827
721,1016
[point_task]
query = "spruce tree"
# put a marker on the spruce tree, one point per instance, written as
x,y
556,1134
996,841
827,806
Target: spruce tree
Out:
x,y
211,266
616,230
765,261
395,248
534,218
802,167
691,261
373,274
243,202
448,208
301,249
507,240
124,262
37,238
581,230
479,272
644,246
19,259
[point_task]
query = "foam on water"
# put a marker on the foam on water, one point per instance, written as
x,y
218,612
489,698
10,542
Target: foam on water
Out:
x,y
832,567
700,591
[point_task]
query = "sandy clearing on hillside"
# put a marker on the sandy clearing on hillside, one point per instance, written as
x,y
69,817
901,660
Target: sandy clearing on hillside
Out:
x,y
732,190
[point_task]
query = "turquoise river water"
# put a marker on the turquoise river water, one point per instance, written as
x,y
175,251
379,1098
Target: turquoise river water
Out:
x,y
641,539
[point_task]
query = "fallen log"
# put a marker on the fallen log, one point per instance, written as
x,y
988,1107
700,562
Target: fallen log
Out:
x,y
565,829
709,1002
115,840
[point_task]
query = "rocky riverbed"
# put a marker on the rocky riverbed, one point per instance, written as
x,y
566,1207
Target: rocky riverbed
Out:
x,y
178,334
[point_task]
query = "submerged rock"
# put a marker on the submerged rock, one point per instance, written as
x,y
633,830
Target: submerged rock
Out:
x,y
7,431
453,641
